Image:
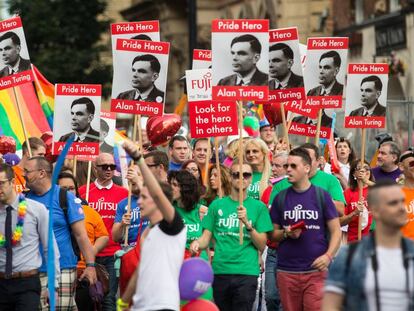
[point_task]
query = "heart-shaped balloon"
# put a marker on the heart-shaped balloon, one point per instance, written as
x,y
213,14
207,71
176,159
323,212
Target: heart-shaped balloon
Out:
x,y
273,113
7,145
161,129
47,138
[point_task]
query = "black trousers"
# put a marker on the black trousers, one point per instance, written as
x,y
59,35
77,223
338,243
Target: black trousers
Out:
x,y
234,292
21,294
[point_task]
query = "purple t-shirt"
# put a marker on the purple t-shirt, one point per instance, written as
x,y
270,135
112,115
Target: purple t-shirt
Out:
x,y
298,254
379,174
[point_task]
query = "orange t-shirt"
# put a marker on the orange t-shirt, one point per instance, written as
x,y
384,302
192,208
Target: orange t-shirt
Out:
x,y
20,182
95,228
408,229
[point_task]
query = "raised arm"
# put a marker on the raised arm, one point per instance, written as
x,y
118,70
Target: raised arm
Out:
x,y
151,183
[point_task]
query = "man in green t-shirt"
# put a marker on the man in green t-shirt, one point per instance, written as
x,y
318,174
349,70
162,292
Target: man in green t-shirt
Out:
x,y
326,181
235,265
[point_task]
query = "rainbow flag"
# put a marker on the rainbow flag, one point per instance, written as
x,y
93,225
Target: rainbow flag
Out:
x,y
46,94
122,159
33,115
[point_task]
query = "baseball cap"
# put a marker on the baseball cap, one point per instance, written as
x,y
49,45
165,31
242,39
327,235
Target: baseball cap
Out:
x,y
11,159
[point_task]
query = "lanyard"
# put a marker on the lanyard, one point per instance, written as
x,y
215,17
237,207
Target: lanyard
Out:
x,y
374,262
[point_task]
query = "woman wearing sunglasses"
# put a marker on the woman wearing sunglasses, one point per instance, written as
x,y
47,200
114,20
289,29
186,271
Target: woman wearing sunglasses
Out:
x,y
257,155
212,192
359,173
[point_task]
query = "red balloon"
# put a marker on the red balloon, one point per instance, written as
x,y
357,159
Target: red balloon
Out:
x,y
7,145
273,113
161,129
47,138
200,305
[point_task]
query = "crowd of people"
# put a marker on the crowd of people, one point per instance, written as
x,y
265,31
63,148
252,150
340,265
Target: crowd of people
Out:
x,y
279,225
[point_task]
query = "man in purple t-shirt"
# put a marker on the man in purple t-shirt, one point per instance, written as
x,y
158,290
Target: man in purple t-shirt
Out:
x,y
303,254
387,161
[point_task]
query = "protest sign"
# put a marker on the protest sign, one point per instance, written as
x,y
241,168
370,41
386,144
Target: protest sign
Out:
x,y
140,77
15,67
303,129
77,113
198,84
145,30
285,70
366,96
212,118
324,73
201,59
297,106
240,59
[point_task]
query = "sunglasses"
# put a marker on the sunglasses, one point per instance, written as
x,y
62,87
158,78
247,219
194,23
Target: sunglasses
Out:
x,y
396,202
105,167
245,175
293,166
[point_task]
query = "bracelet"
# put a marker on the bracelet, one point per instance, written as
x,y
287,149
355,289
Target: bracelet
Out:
x,y
329,256
121,305
249,229
91,264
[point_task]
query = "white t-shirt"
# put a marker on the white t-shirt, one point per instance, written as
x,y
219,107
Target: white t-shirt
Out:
x,y
162,254
391,281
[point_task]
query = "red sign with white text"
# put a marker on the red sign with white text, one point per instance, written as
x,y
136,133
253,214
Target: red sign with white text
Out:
x,y
212,118
135,27
201,59
308,130
235,76
366,96
285,69
15,66
325,71
296,106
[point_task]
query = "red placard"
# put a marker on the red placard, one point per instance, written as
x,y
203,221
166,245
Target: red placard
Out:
x,y
143,46
10,23
137,107
81,149
204,55
296,106
366,96
79,89
283,34
16,79
316,102
221,92
329,43
308,130
287,94
212,118
240,25
135,27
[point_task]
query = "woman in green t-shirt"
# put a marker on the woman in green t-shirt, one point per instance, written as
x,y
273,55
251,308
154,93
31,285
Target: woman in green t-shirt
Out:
x,y
212,191
257,155
186,195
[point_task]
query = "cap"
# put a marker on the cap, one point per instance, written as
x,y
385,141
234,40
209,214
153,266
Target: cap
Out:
x,y
264,123
232,138
11,159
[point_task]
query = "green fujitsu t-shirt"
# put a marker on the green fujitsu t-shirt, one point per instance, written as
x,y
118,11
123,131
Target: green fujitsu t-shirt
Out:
x,y
326,181
229,256
192,222
254,188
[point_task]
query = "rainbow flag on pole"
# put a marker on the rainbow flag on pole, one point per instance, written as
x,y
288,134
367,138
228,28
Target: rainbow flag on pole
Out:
x,y
46,94
33,115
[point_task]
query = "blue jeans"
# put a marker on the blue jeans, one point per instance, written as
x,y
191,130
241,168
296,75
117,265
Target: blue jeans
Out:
x,y
272,296
109,303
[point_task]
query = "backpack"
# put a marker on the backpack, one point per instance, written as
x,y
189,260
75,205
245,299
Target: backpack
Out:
x,y
63,203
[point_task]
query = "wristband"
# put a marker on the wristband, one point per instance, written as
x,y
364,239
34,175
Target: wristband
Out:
x,y
121,305
329,256
249,229
91,264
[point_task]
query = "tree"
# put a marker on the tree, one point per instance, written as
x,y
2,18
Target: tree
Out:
x,y
63,38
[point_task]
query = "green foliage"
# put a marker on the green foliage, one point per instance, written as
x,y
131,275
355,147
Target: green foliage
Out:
x,y
63,39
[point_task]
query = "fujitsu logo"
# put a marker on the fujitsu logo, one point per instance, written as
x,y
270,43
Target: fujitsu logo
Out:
x,y
299,214
101,205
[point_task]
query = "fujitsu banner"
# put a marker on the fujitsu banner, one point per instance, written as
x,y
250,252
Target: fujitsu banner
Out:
x,y
201,59
212,118
198,84
77,113
146,30
15,67
366,96
285,69
140,77
324,73
240,58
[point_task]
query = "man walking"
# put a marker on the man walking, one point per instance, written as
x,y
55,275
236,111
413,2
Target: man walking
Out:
x,y
303,216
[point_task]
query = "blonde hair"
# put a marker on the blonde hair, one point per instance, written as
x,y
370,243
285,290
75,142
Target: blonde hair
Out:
x,y
259,143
